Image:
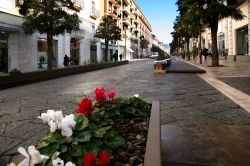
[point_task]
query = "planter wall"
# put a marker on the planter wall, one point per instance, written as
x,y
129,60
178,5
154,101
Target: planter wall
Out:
x,y
153,146
25,78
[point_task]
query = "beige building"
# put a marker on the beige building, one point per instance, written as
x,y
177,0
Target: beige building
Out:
x,y
233,36
132,23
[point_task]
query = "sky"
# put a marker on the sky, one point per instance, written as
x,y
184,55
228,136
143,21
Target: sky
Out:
x,y
161,14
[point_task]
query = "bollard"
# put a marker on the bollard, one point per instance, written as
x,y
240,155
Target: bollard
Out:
x,y
234,57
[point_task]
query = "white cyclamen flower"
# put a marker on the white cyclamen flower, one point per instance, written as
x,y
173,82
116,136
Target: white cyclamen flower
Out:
x,y
31,158
52,118
57,162
70,164
67,124
136,95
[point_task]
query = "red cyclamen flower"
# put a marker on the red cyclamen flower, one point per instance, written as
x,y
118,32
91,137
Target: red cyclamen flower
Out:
x,y
104,158
111,94
100,95
89,159
85,107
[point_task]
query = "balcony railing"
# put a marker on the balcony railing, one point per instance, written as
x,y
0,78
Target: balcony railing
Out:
x,y
94,13
126,9
77,5
126,21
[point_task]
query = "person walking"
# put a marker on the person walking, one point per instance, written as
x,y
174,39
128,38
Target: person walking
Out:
x,y
66,60
120,56
115,56
205,53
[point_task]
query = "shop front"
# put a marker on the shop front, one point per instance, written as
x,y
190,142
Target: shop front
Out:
x,y
3,52
42,54
242,41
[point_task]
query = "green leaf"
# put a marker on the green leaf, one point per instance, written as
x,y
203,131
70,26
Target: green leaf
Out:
x,y
113,140
78,161
84,136
81,122
76,151
50,138
99,132
66,157
49,150
63,148
92,147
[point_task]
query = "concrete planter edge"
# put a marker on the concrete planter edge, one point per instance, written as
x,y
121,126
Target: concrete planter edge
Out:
x,y
153,145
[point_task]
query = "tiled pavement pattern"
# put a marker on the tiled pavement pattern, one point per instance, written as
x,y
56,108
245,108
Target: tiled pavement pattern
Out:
x,y
186,100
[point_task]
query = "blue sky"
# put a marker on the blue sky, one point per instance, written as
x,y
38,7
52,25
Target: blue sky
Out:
x,y
161,15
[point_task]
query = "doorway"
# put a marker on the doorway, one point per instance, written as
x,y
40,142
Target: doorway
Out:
x,y
93,53
74,51
3,58
242,41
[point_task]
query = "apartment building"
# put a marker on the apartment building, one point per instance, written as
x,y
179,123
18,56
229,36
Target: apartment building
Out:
x,y
233,36
132,23
29,52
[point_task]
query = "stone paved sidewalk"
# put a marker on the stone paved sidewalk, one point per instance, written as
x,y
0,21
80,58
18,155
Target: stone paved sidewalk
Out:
x,y
186,100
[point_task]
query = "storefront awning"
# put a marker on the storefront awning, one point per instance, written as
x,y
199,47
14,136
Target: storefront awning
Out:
x,y
129,49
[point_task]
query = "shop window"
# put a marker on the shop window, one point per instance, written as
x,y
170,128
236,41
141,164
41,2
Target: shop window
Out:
x,y
43,56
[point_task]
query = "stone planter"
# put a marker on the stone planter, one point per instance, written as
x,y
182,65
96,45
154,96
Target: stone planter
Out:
x,y
36,76
159,67
153,146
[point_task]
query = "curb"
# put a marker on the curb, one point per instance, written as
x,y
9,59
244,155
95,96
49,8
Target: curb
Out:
x,y
36,76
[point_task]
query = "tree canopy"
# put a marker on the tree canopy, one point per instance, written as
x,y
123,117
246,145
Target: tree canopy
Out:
x,y
203,13
50,17
109,31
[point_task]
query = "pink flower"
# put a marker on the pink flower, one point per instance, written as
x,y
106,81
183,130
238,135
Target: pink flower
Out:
x,y
100,95
111,94
85,107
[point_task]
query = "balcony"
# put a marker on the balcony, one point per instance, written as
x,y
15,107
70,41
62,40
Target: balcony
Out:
x,y
76,5
136,12
126,9
94,13
126,2
113,13
126,21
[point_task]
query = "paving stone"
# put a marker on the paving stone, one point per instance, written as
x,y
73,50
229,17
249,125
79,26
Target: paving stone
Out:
x,y
7,144
206,144
185,100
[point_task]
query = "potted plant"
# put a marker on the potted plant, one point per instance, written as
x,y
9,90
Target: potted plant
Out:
x,y
94,134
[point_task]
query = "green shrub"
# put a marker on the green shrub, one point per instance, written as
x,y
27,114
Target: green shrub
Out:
x,y
14,72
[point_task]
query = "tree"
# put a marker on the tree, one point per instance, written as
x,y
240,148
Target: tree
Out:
x,y
211,11
108,30
143,43
50,17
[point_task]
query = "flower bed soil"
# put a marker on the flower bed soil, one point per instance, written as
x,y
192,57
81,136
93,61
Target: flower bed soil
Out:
x,y
135,132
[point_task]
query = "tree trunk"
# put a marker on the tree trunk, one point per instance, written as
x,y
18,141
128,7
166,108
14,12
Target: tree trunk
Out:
x,y
199,46
188,55
214,28
106,50
50,50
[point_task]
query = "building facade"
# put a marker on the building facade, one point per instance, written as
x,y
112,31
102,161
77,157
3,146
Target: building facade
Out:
x,y
133,25
29,52
233,36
